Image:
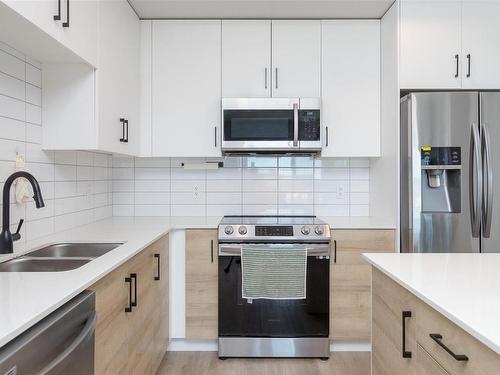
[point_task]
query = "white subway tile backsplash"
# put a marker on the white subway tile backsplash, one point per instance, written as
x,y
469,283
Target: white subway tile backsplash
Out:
x,y
33,114
152,210
245,185
359,163
360,210
121,173
11,86
124,210
69,199
11,62
13,129
12,108
33,75
123,198
123,161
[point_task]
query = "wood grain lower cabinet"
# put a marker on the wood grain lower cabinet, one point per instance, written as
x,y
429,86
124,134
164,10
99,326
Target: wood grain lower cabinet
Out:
x,y
201,284
350,281
132,314
427,356
390,354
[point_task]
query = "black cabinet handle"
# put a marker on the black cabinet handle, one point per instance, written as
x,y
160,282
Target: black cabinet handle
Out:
x,y
438,339
456,68
468,65
157,277
211,251
126,131
58,16
123,139
129,307
334,251
326,136
133,276
406,314
215,136
66,24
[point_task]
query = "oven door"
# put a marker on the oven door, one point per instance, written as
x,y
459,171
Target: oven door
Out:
x,y
260,124
274,318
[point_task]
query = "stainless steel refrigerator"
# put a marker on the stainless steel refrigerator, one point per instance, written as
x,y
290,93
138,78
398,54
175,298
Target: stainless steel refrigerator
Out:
x,y
450,165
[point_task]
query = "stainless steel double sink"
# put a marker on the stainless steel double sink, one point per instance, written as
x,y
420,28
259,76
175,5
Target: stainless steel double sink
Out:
x,y
58,257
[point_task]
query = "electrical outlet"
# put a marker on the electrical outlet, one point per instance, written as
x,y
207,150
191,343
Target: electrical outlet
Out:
x,y
340,192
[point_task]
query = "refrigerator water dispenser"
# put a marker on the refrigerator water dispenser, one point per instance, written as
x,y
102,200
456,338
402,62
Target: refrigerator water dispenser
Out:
x,y
441,169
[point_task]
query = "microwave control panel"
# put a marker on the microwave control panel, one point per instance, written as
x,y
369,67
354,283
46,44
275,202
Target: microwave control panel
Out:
x,y
309,125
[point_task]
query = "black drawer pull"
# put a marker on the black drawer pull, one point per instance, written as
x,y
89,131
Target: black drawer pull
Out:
x,y
134,277
58,16
438,339
122,121
406,314
468,65
334,251
456,68
126,131
129,307
66,24
157,277
211,251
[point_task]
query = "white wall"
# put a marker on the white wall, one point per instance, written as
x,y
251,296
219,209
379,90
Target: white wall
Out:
x,y
384,197
246,185
76,186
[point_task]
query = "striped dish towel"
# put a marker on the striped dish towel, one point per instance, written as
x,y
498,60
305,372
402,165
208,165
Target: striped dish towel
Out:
x,y
273,273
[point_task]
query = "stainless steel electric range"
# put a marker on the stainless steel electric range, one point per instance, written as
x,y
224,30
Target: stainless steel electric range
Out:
x,y
268,327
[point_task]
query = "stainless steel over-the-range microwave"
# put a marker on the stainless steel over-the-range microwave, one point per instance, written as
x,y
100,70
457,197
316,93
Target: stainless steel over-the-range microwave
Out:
x,y
271,125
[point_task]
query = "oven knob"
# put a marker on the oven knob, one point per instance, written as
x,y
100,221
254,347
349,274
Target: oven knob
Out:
x,y
318,231
242,230
229,229
305,230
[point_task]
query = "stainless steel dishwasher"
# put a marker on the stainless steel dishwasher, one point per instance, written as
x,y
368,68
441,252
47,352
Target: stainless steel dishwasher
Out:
x,y
61,343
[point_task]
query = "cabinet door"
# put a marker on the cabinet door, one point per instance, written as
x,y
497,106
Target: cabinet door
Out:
x,y
117,78
388,324
350,281
246,58
186,95
296,58
112,329
350,86
426,365
159,252
429,44
201,284
82,34
480,44
140,340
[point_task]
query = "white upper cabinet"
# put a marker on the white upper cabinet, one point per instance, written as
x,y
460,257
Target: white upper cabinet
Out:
x,y
186,88
350,85
246,58
481,44
118,78
296,58
430,45
450,44
77,27
83,106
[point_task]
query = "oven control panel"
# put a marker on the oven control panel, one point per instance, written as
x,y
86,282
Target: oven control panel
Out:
x,y
274,230
283,233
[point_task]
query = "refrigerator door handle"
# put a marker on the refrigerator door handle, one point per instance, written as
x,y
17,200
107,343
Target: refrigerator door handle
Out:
x,y
487,204
475,174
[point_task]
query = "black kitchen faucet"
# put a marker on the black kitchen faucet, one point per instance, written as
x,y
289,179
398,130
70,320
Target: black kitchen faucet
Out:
x,y
6,238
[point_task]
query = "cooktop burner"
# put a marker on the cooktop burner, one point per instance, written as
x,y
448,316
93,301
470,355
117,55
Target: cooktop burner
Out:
x,y
273,229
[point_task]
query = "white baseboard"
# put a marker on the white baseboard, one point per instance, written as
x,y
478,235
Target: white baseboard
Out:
x,y
183,345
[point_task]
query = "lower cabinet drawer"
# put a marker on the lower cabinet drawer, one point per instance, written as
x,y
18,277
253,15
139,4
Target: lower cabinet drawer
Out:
x,y
457,352
426,365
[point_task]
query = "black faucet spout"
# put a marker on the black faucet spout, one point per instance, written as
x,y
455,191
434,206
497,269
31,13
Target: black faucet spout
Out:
x,y
6,238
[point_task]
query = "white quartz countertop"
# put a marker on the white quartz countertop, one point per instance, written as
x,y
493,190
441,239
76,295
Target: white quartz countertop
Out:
x,y
463,287
28,297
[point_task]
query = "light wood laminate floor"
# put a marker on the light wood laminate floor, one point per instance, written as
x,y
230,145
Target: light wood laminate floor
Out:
x,y
207,363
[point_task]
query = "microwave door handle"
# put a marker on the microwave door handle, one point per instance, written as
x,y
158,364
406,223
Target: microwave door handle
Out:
x,y
295,124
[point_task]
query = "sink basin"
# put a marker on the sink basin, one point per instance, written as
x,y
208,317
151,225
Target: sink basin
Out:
x,y
26,264
58,257
74,250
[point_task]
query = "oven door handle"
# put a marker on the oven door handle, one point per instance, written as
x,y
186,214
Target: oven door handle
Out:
x,y
230,250
295,124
